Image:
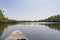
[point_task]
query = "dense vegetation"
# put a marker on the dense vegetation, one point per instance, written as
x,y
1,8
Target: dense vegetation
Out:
x,y
55,18
4,20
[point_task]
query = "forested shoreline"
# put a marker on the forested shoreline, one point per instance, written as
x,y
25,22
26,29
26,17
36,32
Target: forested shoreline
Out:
x,y
4,20
55,18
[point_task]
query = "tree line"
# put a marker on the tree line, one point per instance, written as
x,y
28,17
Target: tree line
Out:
x,y
55,18
4,20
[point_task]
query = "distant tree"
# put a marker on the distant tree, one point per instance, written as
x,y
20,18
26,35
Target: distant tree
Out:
x,y
55,18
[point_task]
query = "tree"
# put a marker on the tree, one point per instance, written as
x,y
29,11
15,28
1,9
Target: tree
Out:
x,y
55,18
2,18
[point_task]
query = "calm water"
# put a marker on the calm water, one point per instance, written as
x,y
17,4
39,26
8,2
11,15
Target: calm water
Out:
x,y
33,30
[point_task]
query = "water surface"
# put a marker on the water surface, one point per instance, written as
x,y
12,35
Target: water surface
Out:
x,y
33,30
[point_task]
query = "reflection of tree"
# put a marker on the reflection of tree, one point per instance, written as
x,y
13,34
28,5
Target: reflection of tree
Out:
x,y
2,27
54,26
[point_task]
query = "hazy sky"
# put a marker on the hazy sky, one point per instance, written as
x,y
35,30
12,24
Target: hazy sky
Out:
x,y
30,9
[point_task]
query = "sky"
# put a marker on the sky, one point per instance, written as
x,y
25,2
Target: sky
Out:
x,y
30,9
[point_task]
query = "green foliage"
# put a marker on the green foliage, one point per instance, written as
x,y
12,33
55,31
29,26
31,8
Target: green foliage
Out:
x,y
2,18
55,18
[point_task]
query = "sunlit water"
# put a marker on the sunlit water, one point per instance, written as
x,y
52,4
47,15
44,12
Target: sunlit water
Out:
x,y
33,31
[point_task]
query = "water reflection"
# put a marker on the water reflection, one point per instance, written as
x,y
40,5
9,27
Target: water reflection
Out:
x,y
33,30
2,27
54,26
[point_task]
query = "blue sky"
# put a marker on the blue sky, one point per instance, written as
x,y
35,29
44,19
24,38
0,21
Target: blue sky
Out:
x,y
30,9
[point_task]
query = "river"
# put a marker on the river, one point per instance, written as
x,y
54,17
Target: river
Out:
x,y
33,30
